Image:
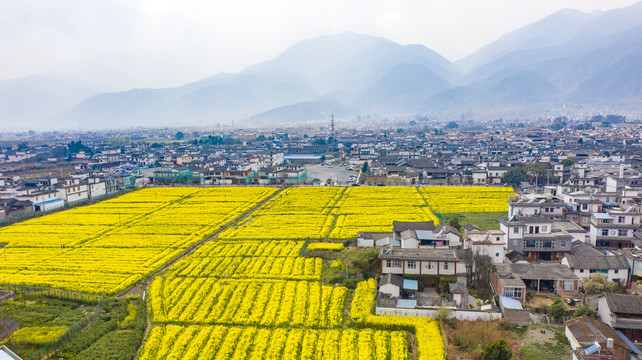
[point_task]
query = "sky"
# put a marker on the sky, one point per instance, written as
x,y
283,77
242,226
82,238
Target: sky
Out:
x,y
121,44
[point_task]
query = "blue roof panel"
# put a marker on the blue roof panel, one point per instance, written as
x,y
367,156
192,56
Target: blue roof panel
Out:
x,y
410,284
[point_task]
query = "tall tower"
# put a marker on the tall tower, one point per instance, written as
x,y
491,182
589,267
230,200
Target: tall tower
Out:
x,y
332,139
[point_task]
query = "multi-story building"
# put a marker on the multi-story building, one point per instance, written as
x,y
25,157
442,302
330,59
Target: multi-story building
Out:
x,y
490,243
540,238
615,228
549,207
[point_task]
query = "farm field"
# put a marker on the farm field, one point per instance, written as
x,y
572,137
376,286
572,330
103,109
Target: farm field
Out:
x,y
334,212
245,293
106,247
199,311
467,199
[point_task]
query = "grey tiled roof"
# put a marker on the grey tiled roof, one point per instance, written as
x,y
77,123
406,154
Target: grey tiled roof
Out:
x,y
602,262
624,304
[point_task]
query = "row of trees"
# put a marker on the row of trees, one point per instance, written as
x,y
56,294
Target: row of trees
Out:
x,y
536,172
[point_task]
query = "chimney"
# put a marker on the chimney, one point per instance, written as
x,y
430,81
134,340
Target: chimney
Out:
x,y
609,343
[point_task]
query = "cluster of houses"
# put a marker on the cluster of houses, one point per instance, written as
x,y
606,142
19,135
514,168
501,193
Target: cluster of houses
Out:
x,y
22,198
548,244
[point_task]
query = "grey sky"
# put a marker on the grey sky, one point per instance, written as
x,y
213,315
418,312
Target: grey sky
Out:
x,y
156,43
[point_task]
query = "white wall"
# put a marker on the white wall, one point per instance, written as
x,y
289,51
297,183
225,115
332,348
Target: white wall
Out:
x,y
467,315
365,242
603,311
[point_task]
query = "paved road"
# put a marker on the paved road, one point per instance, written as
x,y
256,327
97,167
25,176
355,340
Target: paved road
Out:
x,y
335,172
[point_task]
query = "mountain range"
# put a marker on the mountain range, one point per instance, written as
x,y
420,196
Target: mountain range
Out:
x,y
570,59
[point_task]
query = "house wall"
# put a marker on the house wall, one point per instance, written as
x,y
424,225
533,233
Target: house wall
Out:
x,y
391,270
622,275
560,289
571,338
97,189
466,315
408,270
517,316
428,271
409,243
365,242
604,312
491,251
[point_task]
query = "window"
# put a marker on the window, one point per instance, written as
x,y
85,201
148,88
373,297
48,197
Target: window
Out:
x,y
620,219
581,270
605,232
513,292
568,285
393,263
622,232
496,254
584,206
516,230
411,265
544,228
616,271
563,243
445,266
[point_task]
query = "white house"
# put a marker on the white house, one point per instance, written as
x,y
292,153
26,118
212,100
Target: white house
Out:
x,y
73,190
615,268
45,200
97,187
442,237
420,262
491,243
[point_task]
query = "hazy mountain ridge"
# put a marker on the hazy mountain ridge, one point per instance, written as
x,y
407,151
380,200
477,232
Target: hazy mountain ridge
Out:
x,y
568,57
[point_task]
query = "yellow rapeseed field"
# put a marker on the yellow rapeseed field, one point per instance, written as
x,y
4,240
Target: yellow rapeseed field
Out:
x,y
106,247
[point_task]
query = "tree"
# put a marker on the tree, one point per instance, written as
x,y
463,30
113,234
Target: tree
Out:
x,y
179,135
515,176
580,141
319,142
443,313
585,310
364,168
454,222
362,261
597,284
558,310
568,162
499,350
23,146
452,125
559,123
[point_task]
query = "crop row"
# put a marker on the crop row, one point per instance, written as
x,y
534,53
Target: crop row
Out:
x,y
223,342
246,302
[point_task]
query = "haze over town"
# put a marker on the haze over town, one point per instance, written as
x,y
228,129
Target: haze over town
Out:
x,y
72,64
